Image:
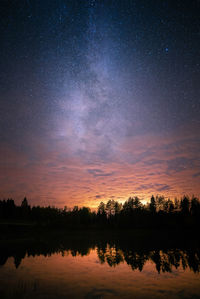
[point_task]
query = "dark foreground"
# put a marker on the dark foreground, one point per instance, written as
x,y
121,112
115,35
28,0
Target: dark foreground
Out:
x,y
142,263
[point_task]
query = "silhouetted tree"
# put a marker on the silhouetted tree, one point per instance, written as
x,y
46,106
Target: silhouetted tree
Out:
x,y
195,206
101,209
160,202
185,205
152,206
117,208
168,206
176,204
132,214
110,208
24,203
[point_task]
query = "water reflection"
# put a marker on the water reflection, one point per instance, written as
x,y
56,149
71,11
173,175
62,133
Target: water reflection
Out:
x,y
164,260
110,252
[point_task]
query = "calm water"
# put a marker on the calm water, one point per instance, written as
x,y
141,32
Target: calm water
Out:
x,y
88,268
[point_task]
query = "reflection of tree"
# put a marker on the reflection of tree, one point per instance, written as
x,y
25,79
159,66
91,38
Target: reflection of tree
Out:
x,y
164,260
17,261
167,259
3,259
109,251
193,260
155,257
135,260
114,256
111,255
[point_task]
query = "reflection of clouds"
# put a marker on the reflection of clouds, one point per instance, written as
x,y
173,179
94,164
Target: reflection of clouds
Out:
x,y
101,292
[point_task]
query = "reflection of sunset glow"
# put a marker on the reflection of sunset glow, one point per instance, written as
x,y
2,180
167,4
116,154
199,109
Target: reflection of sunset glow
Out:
x,y
82,275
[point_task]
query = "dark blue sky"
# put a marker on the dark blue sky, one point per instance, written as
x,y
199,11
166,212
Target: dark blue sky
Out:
x,y
99,99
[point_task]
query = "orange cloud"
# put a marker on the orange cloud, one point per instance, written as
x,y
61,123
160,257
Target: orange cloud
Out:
x,y
142,166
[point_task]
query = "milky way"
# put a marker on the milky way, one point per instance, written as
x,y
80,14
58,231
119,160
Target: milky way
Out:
x,y
99,100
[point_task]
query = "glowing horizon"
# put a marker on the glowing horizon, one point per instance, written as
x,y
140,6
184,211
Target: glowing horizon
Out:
x,y
102,103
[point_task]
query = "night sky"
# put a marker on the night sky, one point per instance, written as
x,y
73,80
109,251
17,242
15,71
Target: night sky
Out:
x,y
99,100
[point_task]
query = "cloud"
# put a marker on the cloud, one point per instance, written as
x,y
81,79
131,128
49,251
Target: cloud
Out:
x,y
152,187
179,164
98,196
162,187
99,173
141,166
196,175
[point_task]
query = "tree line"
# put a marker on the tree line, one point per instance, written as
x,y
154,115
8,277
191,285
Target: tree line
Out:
x,y
159,212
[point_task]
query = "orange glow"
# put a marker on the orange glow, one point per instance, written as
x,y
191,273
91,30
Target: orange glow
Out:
x,y
142,166
81,275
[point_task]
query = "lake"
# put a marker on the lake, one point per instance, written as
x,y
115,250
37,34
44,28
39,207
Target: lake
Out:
x,y
91,266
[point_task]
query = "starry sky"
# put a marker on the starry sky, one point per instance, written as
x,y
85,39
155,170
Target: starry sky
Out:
x,y
99,100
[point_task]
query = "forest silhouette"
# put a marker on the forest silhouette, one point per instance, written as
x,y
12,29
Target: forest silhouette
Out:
x,y
158,213
162,231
